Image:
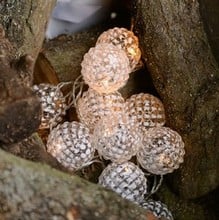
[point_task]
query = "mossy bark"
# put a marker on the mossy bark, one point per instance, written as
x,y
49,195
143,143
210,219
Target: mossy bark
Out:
x,y
34,191
184,71
25,23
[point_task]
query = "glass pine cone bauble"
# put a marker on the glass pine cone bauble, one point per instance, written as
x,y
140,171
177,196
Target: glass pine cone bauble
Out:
x,y
146,110
126,179
70,144
92,106
52,103
158,208
162,151
124,39
105,68
116,139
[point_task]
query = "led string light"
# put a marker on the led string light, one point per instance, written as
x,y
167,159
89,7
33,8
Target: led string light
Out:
x,y
117,129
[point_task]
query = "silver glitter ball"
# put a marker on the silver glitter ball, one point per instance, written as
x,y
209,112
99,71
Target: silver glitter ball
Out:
x,y
145,110
70,144
124,39
162,151
126,179
92,106
105,68
159,209
116,139
52,103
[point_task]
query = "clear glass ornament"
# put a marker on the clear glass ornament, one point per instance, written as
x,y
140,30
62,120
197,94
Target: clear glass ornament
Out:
x,y
124,39
116,139
70,144
105,68
159,209
52,103
92,106
162,151
126,179
146,110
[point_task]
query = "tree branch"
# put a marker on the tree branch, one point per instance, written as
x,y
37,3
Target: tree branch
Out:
x,y
34,191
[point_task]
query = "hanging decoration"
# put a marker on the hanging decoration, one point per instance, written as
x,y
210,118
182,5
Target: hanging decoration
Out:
x,y
117,130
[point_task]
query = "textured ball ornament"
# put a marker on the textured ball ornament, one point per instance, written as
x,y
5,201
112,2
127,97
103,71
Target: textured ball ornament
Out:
x,y
124,39
158,208
70,144
116,139
105,68
162,151
126,179
146,110
52,103
92,106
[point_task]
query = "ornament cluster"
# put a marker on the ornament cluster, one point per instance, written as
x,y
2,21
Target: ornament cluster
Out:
x,y
116,129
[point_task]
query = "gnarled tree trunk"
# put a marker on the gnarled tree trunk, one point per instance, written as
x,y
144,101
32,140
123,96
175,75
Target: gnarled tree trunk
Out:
x,y
186,75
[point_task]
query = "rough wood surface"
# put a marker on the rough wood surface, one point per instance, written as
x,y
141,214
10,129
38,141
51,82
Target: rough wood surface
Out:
x,y
25,23
35,191
176,51
19,108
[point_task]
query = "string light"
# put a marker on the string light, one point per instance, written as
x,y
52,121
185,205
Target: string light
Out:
x,y
124,39
92,106
70,144
126,179
162,151
117,129
105,68
146,110
159,209
53,104
116,139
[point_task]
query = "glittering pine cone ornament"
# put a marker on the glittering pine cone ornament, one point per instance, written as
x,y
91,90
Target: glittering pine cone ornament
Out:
x,y
116,139
145,110
159,209
124,39
70,144
52,103
162,150
105,68
92,106
126,179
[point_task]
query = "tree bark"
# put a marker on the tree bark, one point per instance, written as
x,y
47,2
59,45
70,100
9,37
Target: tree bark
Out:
x,y
177,54
25,23
33,191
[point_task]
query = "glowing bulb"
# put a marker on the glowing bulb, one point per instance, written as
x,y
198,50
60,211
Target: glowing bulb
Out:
x,y
162,150
105,68
70,144
52,103
92,106
146,110
126,179
115,138
124,39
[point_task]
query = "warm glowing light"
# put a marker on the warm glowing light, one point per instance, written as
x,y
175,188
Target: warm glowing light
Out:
x,y
105,68
162,151
146,110
92,106
52,103
70,144
124,39
116,139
